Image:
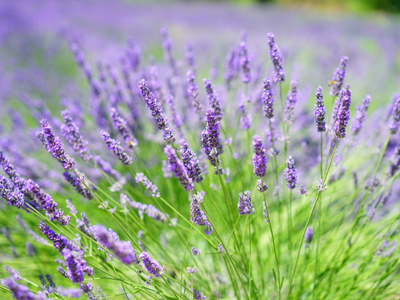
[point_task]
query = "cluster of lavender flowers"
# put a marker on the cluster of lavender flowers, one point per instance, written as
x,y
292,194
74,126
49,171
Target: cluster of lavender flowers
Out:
x,y
152,188
338,77
276,58
122,127
143,209
211,140
114,146
197,215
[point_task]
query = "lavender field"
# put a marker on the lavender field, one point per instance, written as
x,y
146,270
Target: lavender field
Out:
x,y
198,151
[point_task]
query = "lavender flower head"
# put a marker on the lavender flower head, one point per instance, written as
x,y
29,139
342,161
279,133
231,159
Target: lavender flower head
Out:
x,y
211,140
193,91
19,291
196,214
78,185
245,119
276,58
14,273
178,168
195,251
213,98
394,126
268,98
259,157
343,113
71,133
107,168
12,195
197,295
115,147
245,62
360,115
291,101
338,77
121,125
245,206
151,265
54,146
231,67
308,235
303,190
290,173
156,110
190,162
121,249
75,272
191,271
261,186
152,188
319,111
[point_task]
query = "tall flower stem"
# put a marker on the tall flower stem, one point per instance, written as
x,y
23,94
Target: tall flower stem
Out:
x,y
278,282
309,219
283,120
322,157
290,233
250,256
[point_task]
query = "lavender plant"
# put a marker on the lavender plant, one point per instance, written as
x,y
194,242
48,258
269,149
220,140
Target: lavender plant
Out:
x,y
166,228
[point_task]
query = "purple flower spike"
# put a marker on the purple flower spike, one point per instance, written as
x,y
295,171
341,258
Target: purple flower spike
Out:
x,y
338,77
197,295
245,119
176,119
213,98
106,168
121,249
190,56
197,215
259,157
343,113
190,162
47,203
59,242
193,90
156,110
121,125
12,195
245,206
261,186
78,185
211,140
54,146
319,111
303,190
231,67
75,272
290,173
276,58
152,188
268,98
394,126
291,101
71,133
360,115
114,146
151,265
308,235
178,168
19,291
245,62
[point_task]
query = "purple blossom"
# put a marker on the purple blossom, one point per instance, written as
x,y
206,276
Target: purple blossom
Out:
x,y
261,186
196,214
221,249
167,46
178,168
259,157
166,170
75,272
152,188
122,127
394,126
308,235
71,133
156,110
114,146
133,54
245,119
245,206
107,168
12,195
231,66
338,77
59,242
121,249
149,210
276,58
193,91
151,265
291,101
303,190
190,57
395,164
197,295
268,98
360,115
319,111
191,271
290,173
213,98
211,140
190,162
19,291
78,186
244,62
47,203
54,146
195,252
343,113
14,273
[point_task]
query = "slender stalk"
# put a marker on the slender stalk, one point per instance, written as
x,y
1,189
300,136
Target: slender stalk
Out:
x,y
309,219
274,246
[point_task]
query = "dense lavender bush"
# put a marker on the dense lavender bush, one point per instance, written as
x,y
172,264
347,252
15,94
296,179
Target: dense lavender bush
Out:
x,y
262,197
